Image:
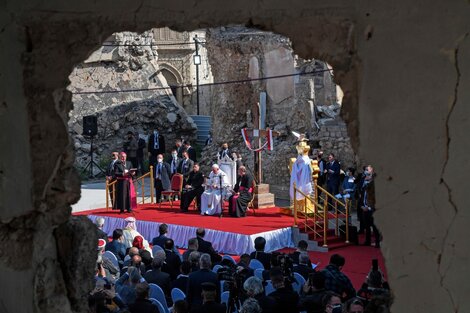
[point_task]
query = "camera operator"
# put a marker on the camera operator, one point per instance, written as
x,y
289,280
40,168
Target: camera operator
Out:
x,y
286,298
253,287
234,277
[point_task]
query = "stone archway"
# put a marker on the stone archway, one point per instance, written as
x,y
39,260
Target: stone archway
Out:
x,y
173,79
384,64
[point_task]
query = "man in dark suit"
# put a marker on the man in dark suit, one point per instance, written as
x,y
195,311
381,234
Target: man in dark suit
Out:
x,y
173,261
162,177
116,246
140,153
196,279
225,152
286,298
160,240
142,304
156,146
179,148
174,162
181,282
186,166
110,178
303,268
157,277
206,247
192,189
302,247
332,171
209,299
191,151
259,254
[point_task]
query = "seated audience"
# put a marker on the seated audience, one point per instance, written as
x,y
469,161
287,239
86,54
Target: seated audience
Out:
x,y
260,255
146,259
116,246
194,260
162,238
99,222
250,306
157,276
332,302
253,287
125,285
182,280
312,294
353,305
245,264
138,242
135,260
196,279
192,246
142,304
210,301
180,306
206,247
286,298
302,247
112,273
130,232
173,261
335,280
303,268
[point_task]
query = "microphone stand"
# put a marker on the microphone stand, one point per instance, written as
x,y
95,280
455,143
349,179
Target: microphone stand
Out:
x,y
221,195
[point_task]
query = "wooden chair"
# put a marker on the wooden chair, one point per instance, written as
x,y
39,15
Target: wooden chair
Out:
x,y
251,204
175,189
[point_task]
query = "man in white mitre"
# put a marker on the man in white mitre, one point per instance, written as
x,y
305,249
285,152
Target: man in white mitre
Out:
x,y
212,196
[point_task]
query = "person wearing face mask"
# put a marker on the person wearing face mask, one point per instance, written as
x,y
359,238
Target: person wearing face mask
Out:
x,y
174,162
225,152
185,167
162,177
156,146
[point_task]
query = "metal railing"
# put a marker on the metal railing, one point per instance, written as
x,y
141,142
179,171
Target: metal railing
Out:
x,y
138,181
318,220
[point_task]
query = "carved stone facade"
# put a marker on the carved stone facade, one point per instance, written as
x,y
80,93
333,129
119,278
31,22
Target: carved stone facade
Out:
x,y
176,51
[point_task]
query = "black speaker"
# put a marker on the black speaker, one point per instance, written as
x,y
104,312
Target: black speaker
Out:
x,y
90,125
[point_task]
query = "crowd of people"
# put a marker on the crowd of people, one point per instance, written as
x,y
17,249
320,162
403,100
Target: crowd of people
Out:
x,y
203,277
359,190
208,192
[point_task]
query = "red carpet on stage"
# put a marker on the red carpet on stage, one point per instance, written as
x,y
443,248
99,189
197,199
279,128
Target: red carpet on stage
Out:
x,y
358,258
265,219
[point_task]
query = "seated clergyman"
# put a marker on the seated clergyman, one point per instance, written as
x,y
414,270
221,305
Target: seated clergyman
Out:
x,y
212,196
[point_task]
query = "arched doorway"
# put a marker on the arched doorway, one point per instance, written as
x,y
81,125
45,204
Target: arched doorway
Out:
x,y
174,80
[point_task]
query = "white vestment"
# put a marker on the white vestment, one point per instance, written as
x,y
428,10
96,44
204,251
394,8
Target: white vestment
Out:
x,y
302,177
211,198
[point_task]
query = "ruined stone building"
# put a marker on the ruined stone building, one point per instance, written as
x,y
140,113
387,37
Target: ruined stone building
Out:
x,y
402,66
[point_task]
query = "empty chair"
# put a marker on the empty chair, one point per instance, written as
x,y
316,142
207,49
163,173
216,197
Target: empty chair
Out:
x,y
157,293
269,287
159,305
216,268
228,257
110,256
259,273
300,281
224,297
177,294
255,264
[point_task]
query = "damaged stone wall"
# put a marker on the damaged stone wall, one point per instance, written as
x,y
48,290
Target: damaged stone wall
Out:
x,y
302,103
385,55
121,84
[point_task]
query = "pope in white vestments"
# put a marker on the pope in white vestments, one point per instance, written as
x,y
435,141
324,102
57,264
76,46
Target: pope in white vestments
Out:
x,y
211,198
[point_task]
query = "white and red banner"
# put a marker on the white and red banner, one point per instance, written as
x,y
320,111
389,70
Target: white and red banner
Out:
x,y
269,139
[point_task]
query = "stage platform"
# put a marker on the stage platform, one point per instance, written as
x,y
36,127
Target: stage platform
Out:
x,y
228,235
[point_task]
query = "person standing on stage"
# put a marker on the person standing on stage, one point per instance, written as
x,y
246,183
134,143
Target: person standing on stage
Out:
x,y
186,166
125,193
110,178
224,152
179,148
156,146
192,189
174,162
162,177
140,153
191,151
238,203
131,146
